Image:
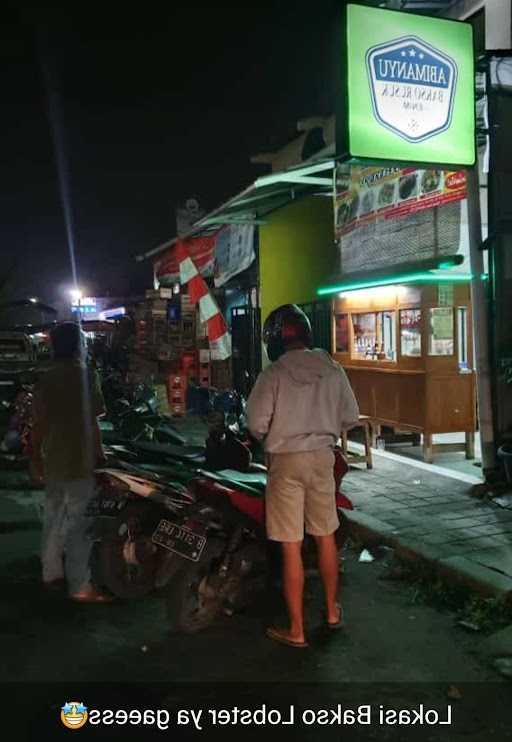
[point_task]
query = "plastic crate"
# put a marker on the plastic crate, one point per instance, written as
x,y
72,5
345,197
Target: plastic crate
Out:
x,y
204,375
178,409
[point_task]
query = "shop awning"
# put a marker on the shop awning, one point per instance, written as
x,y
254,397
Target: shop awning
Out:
x,y
265,195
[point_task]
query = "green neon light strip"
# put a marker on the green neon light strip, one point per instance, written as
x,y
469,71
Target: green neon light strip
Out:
x,y
422,277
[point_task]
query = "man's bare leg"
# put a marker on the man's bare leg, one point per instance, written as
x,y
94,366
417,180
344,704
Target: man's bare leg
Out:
x,y
293,588
328,566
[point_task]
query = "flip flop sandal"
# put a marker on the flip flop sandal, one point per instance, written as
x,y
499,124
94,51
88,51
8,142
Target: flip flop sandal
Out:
x,y
279,635
91,598
339,624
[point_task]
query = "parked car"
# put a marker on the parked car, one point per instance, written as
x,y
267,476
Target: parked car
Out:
x,y
24,332
16,347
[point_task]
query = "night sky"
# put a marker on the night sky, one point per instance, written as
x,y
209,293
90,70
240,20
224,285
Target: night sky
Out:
x,y
156,105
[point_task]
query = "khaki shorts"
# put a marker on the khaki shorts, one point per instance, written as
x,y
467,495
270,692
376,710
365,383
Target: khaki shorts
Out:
x,y
300,492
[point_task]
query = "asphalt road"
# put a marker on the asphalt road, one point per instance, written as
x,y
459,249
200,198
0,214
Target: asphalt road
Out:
x,y
390,649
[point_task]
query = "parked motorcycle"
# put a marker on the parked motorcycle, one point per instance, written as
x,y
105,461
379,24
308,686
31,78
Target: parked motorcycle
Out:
x,y
16,404
201,543
132,411
236,560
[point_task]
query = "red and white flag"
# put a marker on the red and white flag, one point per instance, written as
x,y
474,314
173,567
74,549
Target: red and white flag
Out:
x,y
200,249
209,312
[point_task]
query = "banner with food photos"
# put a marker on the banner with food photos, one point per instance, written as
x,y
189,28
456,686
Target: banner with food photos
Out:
x,y
387,216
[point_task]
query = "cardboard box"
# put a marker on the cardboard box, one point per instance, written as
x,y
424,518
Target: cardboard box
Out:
x,y
157,304
186,305
189,327
201,331
159,294
175,328
164,353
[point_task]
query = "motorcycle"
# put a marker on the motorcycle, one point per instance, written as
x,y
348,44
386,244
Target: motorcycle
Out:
x,y
132,411
15,447
200,543
236,561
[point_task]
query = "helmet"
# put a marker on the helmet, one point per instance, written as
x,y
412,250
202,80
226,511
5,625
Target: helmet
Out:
x,y
284,326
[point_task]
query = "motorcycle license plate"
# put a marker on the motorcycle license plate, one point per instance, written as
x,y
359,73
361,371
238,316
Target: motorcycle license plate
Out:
x,y
179,539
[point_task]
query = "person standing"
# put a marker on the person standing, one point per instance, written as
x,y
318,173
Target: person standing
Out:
x,y
66,443
299,406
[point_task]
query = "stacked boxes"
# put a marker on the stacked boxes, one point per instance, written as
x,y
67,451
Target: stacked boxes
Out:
x,y
188,319
157,307
187,308
153,294
164,336
177,394
204,368
189,364
141,339
202,332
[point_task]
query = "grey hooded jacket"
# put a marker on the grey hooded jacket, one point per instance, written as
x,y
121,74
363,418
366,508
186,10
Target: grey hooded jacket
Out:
x,y
302,402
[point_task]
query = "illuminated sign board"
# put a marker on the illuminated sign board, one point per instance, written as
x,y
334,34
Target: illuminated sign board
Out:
x,y
409,88
84,305
85,301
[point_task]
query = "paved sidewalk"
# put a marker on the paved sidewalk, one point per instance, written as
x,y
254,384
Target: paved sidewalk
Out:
x,y
427,515
424,514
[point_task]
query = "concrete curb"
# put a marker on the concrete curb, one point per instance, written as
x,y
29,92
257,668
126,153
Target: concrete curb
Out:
x,y
456,569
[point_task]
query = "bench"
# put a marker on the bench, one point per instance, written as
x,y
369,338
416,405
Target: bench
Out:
x,y
365,423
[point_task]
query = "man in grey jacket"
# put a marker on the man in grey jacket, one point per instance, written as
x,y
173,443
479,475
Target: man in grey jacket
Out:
x,y
298,407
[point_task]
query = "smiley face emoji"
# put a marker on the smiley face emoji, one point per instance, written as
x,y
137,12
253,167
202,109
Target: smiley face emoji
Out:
x,y
73,714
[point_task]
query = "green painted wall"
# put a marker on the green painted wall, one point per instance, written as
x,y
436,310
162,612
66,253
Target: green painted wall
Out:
x,y
297,253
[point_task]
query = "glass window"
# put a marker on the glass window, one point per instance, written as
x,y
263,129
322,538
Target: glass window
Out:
x,y
342,340
374,336
365,335
441,336
410,332
387,336
462,333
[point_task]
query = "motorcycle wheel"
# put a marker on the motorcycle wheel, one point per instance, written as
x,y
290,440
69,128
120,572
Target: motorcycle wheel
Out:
x,y
126,567
191,605
343,531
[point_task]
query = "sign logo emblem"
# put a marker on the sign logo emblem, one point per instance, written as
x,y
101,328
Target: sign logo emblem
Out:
x,y
412,87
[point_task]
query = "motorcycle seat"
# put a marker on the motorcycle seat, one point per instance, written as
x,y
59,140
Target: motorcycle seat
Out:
x,y
187,453
243,477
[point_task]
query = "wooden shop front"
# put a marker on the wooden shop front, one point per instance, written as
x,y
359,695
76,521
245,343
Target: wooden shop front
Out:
x,y
408,352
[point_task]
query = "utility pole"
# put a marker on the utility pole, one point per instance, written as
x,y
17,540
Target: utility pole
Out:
x,y
500,239
480,309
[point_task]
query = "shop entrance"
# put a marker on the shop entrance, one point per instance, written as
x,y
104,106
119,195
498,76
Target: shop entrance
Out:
x,y
408,352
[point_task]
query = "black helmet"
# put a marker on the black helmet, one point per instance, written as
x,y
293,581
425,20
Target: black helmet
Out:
x,y
283,327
